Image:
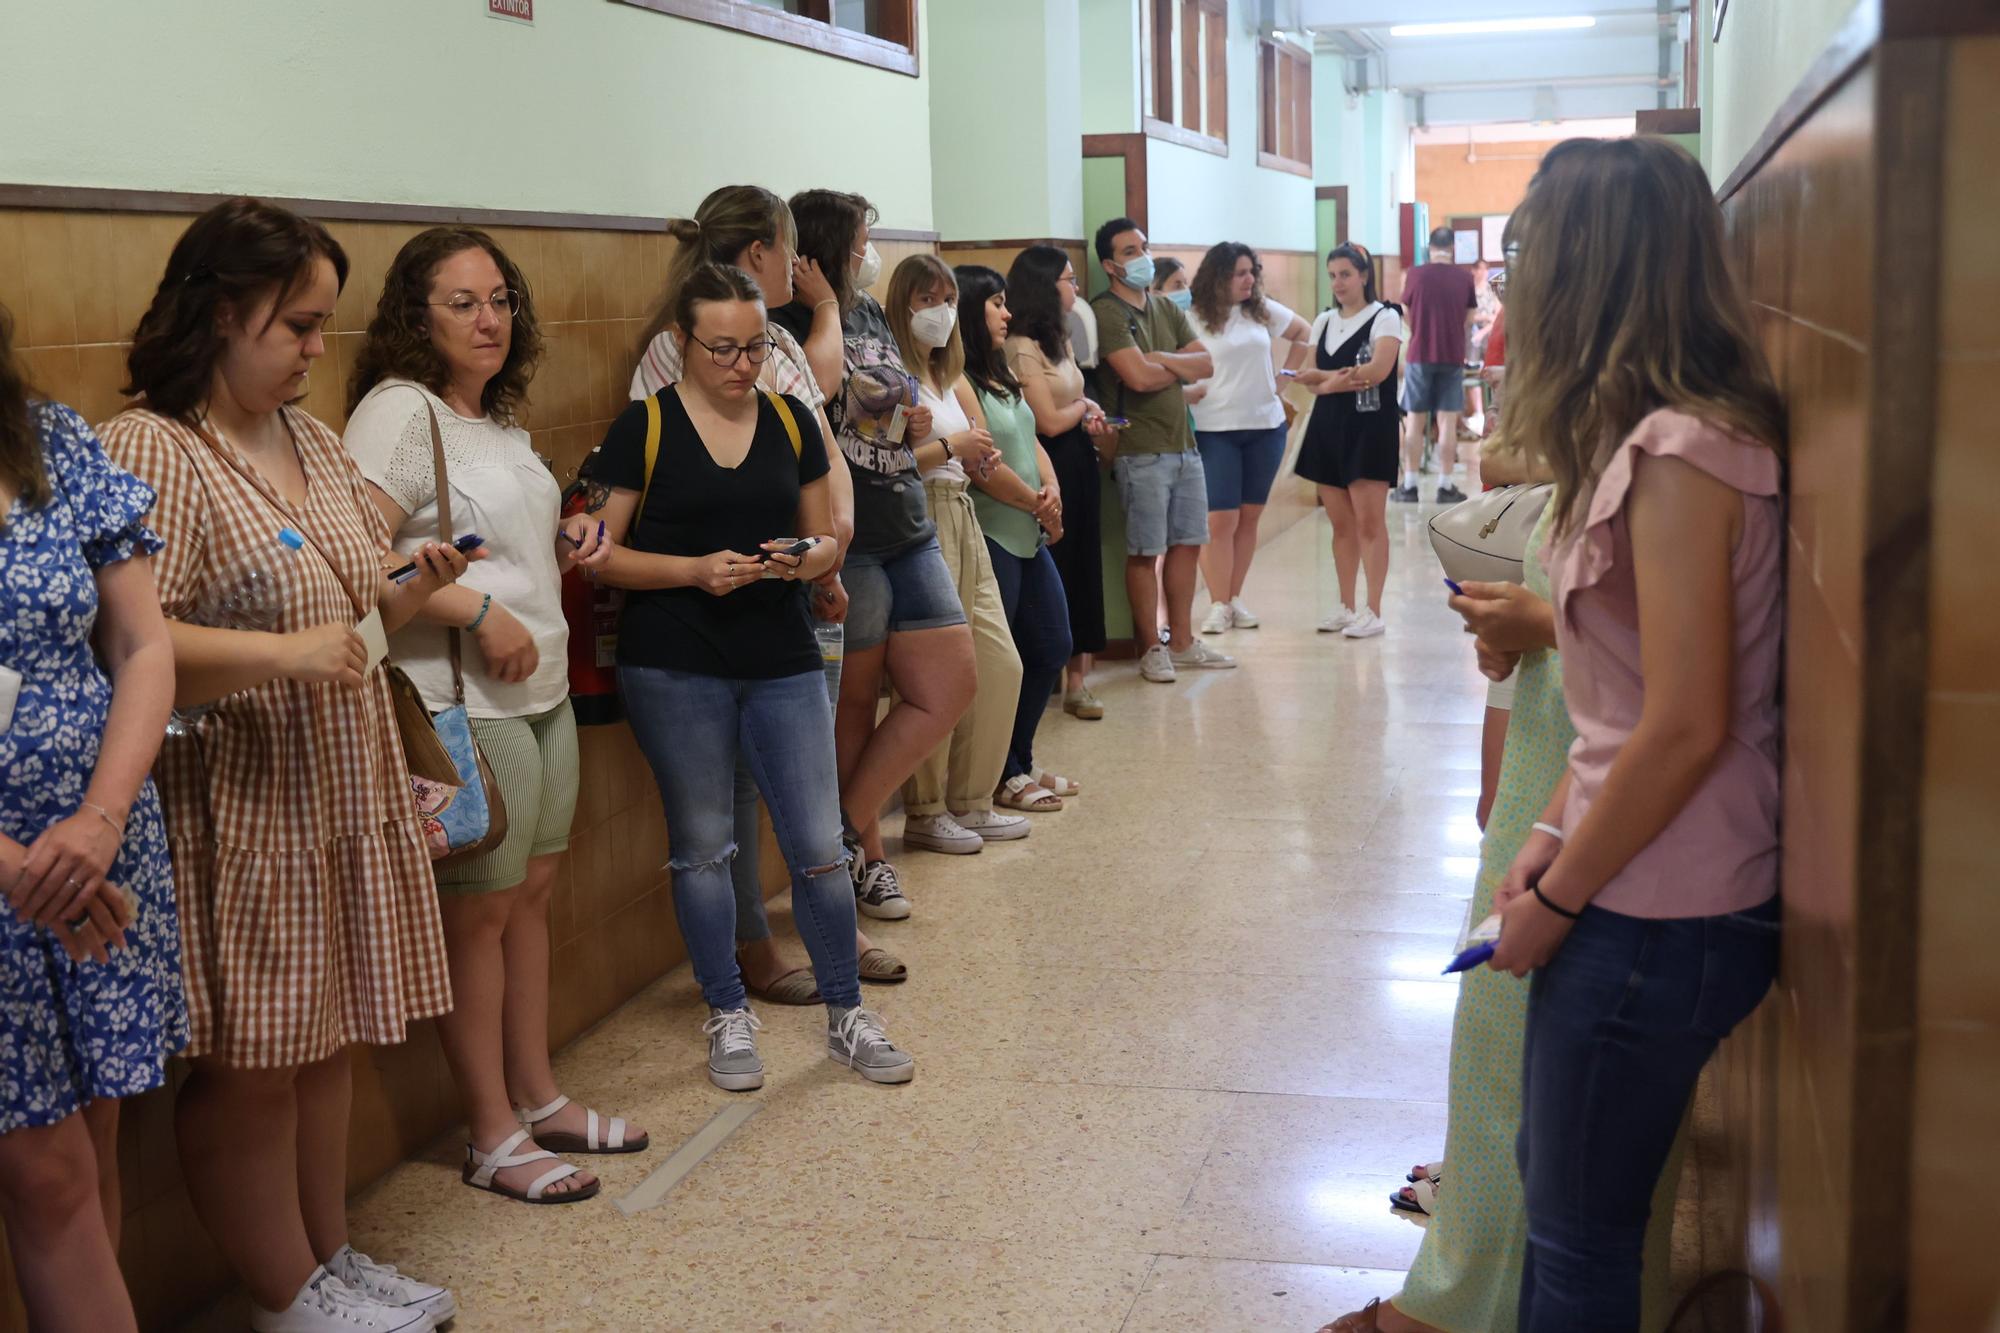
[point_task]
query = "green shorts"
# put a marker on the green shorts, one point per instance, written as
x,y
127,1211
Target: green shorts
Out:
x,y
534,761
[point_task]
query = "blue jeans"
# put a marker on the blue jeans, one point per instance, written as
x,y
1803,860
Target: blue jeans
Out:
x,y
692,729
1038,614
752,923
1239,466
1620,1023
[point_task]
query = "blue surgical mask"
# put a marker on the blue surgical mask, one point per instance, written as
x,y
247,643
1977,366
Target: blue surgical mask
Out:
x,y
1139,272
1184,298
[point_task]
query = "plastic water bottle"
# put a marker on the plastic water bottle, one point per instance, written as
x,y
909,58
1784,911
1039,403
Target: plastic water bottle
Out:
x,y
250,594
1370,398
832,649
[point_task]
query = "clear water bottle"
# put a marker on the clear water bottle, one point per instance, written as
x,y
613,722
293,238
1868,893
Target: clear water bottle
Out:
x,y
250,594
832,649
1370,398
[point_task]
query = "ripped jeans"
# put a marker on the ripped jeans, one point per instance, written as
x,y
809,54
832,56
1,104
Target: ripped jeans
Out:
x,y
692,729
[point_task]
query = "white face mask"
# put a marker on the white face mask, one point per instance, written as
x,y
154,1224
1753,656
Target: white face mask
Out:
x,y
932,328
871,267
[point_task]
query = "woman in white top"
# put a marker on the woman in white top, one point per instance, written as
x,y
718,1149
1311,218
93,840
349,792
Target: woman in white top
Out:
x,y
948,801
1349,450
450,350
1239,421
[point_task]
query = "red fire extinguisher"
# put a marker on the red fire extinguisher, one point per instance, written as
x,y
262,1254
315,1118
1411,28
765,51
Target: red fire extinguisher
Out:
x,y
592,612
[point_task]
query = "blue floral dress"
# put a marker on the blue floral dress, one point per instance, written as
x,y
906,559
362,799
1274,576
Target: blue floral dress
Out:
x,y
72,1033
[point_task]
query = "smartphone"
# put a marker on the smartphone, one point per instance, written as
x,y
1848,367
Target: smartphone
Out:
x,y
797,546
1117,423
465,545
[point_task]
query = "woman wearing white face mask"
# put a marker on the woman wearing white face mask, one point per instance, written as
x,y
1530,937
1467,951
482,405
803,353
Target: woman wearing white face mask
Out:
x,y
949,799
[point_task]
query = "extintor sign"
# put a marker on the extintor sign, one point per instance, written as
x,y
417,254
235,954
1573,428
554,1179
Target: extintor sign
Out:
x,y
520,11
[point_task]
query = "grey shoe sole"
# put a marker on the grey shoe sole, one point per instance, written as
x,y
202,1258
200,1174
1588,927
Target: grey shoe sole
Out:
x,y
901,1073
736,1082
896,909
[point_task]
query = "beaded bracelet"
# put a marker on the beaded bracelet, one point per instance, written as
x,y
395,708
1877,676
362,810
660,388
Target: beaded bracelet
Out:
x,y
485,605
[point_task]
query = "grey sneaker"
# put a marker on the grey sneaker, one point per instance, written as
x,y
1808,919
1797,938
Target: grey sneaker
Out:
x,y
382,1284
878,893
1404,495
733,1062
1157,665
854,1037
1449,494
1200,656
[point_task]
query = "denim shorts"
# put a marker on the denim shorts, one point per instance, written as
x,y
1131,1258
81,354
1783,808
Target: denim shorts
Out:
x,y
1240,465
893,594
1165,497
1433,386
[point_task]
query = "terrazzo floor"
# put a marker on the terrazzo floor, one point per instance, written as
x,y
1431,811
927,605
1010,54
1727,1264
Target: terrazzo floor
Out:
x,y
1173,1051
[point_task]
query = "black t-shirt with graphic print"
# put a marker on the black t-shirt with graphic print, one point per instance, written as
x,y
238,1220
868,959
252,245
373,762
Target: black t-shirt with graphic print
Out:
x,y
698,507
890,515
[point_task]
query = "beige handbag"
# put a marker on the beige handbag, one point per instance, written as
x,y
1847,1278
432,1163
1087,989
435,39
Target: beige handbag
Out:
x,y
1485,539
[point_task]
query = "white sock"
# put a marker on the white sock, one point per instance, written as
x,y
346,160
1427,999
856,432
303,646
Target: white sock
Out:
x,y
1410,480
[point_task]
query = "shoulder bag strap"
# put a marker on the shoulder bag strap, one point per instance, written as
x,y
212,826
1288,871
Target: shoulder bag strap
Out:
x,y
784,410
652,457
441,480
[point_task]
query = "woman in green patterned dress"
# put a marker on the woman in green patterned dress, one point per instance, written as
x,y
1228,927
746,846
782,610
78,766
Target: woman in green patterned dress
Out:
x,y
1467,1274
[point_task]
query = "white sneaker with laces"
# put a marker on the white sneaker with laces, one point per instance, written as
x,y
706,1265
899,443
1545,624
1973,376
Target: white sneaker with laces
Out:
x,y
1202,657
1342,617
325,1304
992,826
381,1283
1220,618
1365,625
941,833
1157,665
1242,616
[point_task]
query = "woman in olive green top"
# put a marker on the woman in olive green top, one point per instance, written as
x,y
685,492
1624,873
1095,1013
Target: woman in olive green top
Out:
x,y
1020,509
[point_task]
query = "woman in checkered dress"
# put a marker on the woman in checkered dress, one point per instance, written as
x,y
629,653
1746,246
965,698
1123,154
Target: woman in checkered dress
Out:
x,y
309,920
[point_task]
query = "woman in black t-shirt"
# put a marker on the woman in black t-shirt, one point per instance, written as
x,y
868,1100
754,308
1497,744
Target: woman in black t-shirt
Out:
x,y
716,656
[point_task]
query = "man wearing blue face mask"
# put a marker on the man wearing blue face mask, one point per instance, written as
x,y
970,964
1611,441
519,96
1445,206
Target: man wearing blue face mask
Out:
x,y
1146,352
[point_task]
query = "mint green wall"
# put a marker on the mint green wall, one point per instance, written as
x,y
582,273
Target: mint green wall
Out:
x,y
1110,56
1765,50
597,108
1103,200
1006,128
1363,143
1197,198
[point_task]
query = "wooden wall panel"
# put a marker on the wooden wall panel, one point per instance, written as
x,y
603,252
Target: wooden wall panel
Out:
x,y
1494,180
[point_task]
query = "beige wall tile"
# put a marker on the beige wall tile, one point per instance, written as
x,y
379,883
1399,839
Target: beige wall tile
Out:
x,y
46,316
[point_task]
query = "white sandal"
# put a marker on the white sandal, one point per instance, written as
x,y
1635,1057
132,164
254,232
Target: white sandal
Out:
x,y
587,1142
480,1168
1059,785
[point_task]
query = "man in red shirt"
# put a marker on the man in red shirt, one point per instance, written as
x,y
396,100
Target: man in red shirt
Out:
x,y
1441,298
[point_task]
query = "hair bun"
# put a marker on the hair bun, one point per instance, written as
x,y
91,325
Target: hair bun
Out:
x,y
685,230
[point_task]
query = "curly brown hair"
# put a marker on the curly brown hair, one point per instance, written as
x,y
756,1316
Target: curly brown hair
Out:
x,y
1212,281
399,343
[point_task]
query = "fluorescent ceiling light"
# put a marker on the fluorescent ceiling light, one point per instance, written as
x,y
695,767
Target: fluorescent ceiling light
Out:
x,y
1478,27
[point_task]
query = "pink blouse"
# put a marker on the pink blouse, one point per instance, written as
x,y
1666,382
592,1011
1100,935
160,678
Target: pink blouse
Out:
x,y
1720,853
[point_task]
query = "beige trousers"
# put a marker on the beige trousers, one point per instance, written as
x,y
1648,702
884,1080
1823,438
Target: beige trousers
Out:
x,y
962,773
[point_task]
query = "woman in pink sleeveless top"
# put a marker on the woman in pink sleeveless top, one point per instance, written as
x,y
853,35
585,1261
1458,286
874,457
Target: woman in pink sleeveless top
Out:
x,y
1646,901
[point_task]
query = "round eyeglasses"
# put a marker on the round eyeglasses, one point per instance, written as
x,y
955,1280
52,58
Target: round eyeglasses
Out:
x,y
464,307
728,354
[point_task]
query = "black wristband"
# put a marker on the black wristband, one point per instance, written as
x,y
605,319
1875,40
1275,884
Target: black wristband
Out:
x,y
1543,899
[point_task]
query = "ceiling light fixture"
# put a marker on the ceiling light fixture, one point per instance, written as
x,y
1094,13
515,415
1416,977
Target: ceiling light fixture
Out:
x,y
1482,27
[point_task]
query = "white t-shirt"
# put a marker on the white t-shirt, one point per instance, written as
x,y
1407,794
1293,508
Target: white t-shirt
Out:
x,y
501,491
947,418
1330,330
1243,392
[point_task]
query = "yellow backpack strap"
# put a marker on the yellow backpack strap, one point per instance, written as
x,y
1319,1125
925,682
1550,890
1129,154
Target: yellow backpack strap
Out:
x,y
791,422
652,453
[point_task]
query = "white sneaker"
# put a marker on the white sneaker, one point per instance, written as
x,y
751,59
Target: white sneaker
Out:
x,y
1342,617
1242,616
384,1285
1220,618
992,826
1365,625
1199,655
1157,665
325,1304
941,833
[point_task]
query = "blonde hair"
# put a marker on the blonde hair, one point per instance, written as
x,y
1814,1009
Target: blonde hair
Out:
x,y
925,273
729,221
1620,302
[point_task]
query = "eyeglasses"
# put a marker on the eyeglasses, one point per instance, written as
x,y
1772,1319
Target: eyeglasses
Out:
x,y
1072,280
728,354
465,308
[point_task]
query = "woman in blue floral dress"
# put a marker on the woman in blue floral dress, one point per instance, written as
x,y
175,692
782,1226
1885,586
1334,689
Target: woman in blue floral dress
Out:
x,y
90,968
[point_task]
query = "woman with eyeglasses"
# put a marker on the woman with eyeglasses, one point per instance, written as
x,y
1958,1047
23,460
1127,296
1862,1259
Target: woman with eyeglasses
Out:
x,y
717,659
444,374
1042,290
309,913
904,617
751,228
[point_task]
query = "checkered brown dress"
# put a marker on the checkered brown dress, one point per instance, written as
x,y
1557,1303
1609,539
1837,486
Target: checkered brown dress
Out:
x,y
308,913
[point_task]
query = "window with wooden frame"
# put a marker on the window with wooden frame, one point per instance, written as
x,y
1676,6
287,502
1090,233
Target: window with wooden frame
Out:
x,y
1186,75
882,33
1284,107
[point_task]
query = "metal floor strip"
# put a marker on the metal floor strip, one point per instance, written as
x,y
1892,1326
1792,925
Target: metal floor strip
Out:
x,y
651,1191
